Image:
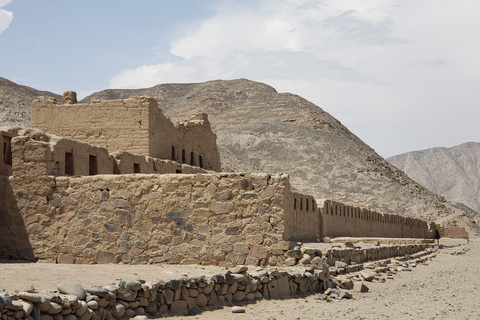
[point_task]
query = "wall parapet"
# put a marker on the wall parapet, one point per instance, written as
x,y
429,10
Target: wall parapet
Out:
x,y
303,219
342,220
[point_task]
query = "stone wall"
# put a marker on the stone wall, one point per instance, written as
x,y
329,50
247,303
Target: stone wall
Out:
x,y
303,219
343,220
135,125
14,242
223,219
130,298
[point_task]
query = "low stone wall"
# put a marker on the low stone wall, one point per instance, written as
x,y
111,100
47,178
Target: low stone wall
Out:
x,y
349,255
342,220
221,219
132,298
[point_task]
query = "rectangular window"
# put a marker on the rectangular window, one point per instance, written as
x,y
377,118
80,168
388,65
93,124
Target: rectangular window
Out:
x,y
7,150
200,161
69,168
173,153
136,168
92,165
184,156
192,159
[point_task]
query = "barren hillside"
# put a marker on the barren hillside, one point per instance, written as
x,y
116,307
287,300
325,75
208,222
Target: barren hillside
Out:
x,y
451,172
15,102
261,130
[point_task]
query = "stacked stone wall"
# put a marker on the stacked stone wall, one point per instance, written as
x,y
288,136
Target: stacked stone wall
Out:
x,y
130,298
362,255
14,240
222,219
135,125
341,220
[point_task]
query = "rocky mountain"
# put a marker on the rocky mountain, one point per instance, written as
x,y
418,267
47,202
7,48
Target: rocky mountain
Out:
x,y
261,130
15,102
451,172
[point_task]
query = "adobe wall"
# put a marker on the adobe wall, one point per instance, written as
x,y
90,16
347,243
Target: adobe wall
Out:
x,y
223,219
35,153
135,125
341,220
114,124
303,219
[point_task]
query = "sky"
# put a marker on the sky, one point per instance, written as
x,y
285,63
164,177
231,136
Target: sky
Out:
x,y
402,75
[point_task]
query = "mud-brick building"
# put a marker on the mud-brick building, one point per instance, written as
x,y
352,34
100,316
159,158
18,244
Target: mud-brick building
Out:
x,y
136,125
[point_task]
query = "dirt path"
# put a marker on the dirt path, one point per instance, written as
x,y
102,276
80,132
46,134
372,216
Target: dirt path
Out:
x,y
446,288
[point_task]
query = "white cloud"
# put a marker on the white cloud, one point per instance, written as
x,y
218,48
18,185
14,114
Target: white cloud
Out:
x,y
6,17
376,65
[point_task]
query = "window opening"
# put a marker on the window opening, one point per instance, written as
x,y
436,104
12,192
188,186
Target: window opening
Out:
x,y
69,167
92,165
192,159
184,156
7,150
200,161
136,168
173,153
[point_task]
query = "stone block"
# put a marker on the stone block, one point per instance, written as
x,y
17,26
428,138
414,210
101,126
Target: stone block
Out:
x,y
104,257
258,252
176,215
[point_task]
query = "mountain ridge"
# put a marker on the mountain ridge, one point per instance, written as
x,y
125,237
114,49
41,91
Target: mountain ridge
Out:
x,y
452,172
15,102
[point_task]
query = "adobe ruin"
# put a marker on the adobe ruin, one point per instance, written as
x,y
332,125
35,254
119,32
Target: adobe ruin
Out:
x,y
112,181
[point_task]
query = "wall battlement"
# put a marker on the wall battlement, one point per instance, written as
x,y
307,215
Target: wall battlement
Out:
x,y
343,220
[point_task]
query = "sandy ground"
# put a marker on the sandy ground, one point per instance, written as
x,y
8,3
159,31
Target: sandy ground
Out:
x,y
446,288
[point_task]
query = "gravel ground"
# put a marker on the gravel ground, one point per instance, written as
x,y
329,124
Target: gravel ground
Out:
x,y
445,288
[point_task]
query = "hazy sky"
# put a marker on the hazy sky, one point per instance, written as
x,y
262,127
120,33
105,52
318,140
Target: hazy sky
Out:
x,y
402,75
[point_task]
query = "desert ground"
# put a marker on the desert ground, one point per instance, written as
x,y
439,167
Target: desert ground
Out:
x,y
443,288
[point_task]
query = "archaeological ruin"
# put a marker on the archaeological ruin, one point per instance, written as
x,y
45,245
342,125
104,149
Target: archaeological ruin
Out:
x,y
116,181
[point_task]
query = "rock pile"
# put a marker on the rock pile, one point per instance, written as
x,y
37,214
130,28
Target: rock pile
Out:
x,y
138,299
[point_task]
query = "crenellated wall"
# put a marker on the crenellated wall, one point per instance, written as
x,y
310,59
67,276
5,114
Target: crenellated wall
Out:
x,y
303,219
341,220
134,125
